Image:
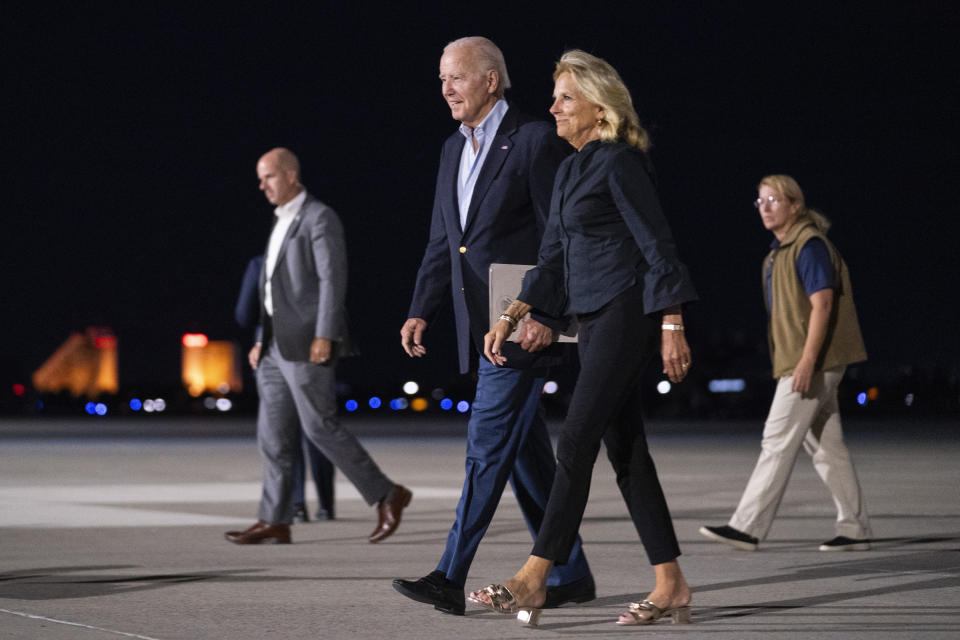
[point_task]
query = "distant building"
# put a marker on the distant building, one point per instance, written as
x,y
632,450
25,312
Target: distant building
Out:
x,y
84,365
209,366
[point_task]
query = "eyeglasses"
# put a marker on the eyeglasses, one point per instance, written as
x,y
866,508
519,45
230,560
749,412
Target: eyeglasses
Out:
x,y
771,200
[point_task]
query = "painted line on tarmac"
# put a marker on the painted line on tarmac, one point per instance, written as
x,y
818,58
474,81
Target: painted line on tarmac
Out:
x,y
112,505
184,493
77,624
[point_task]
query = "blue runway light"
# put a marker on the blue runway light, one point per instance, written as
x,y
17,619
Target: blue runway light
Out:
x,y
135,404
446,404
727,385
463,406
90,408
101,409
861,398
352,405
374,402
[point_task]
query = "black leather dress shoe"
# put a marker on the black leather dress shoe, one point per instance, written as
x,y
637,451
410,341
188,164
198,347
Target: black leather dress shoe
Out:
x,y
433,589
582,590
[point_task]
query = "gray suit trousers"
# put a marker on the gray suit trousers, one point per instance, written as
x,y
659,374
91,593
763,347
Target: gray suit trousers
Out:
x,y
295,394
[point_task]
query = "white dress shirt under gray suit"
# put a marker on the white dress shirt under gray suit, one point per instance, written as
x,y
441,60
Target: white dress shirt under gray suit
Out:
x,y
308,293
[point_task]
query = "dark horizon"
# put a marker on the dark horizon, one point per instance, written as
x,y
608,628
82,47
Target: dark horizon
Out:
x,y
133,202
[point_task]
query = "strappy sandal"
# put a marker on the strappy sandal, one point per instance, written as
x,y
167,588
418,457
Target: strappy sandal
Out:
x,y
503,601
647,613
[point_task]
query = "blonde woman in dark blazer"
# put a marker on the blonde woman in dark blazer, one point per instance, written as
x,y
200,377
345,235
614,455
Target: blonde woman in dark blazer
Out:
x,y
609,258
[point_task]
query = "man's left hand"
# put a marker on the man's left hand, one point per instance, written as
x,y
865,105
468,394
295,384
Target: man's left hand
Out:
x,y
320,350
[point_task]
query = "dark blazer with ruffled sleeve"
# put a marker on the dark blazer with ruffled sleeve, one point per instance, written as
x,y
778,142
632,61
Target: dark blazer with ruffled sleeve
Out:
x,y
606,232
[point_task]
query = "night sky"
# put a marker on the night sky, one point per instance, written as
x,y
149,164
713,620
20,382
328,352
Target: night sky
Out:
x,y
132,135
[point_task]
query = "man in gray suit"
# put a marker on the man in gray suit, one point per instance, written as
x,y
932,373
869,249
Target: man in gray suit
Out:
x,y
303,329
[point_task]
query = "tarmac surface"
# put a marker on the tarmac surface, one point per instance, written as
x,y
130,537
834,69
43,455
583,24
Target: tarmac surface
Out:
x,y
113,528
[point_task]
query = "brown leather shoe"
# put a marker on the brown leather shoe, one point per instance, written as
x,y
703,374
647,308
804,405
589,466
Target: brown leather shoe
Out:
x,y
261,532
389,512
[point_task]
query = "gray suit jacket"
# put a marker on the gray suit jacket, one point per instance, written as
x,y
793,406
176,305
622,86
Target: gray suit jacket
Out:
x,y
308,285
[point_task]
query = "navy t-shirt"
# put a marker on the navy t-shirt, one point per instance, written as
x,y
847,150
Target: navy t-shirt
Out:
x,y
814,268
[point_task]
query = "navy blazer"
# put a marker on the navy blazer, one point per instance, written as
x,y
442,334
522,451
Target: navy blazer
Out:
x,y
247,311
506,219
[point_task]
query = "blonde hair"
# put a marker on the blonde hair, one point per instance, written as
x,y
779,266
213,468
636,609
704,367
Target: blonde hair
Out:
x,y
787,187
601,84
487,56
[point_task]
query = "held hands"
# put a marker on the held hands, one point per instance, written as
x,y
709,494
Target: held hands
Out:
x,y
320,350
411,337
531,340
495,339
534,335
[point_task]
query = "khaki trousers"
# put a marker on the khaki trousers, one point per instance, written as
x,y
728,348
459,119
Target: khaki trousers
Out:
x,y
813,421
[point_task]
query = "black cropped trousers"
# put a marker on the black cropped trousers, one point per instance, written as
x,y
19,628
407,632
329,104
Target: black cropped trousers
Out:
x,y
615,343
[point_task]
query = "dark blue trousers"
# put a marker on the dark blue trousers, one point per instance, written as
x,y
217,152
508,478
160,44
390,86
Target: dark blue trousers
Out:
x,y
507,439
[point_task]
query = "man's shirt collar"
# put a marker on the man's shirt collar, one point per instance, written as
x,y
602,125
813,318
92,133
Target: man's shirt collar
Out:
x,y
291,208
489,124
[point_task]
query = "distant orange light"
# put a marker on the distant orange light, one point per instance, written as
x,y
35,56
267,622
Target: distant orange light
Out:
x,y
19,389
418,404
873,393
195,340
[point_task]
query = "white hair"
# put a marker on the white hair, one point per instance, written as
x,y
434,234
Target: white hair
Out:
x,y
487,54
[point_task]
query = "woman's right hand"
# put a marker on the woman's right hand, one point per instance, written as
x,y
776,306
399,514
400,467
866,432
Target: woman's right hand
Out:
x,y
495,339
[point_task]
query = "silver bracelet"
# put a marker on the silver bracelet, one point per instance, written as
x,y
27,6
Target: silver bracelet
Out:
x,y
672,327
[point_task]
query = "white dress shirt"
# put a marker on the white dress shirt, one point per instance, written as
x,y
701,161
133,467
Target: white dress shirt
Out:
x,y
472,160
285,214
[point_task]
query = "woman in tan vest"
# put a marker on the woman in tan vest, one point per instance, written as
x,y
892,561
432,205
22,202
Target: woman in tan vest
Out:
x,y
813,335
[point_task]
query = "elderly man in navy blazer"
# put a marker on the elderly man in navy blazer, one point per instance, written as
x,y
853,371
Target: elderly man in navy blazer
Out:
x,y
303,329
491,204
